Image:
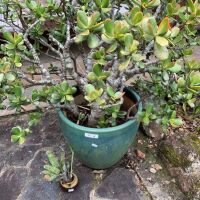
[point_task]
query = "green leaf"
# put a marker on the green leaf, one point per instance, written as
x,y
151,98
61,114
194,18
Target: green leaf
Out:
x,y
80,38
137,18
163,27
112,47
14,138
170,9
146,120
52,159
94,18
93,41
82,19
69,97
162,41
176,122
195,80
18,38
85,33
110,91
18,64
128,40
124,64
109,28
191,5
105,3
19,91
91,76
21,140
16,131
118,95
138,57
98,3
134,11
1,77
9,37
187,52
52,169
175,31
89,88
176,68
149,108
161,52
9,76
107,39
105,10
10,46
152,26
153,3
181,82
97,69
165,76
120,28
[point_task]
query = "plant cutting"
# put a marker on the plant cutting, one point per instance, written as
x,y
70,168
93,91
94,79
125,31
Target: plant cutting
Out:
x,y
117,40
60,170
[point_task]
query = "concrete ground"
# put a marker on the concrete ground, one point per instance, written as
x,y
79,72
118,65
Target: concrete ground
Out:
x,y
141,175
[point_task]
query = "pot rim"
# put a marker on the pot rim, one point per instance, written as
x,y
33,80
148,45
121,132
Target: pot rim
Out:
x,y
75,181
103,130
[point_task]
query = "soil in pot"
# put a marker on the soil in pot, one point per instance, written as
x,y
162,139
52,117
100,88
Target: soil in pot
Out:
x,y
129,106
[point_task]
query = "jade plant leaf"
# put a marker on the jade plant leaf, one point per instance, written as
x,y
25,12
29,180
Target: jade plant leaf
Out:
x,y
93,41
163,27
161,52
82,19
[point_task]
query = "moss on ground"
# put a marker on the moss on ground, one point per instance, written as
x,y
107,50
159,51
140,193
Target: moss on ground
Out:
x,y
194,141
175,158
194,190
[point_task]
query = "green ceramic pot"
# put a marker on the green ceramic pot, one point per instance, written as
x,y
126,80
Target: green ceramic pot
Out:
x,y
100,148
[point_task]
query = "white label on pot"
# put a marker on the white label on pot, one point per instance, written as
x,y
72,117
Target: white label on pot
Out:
x,y
70,190
95,145
90,135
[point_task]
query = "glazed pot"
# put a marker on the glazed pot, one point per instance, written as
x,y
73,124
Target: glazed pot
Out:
x,y
100,148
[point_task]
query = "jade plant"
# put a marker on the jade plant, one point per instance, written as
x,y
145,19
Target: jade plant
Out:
x,y
117,41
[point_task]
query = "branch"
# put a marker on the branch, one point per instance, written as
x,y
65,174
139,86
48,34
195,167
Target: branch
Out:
x,y
89,61
158,11
69,43
114,104
32,81
49,55
34,53
148,48
56,42
9,25
25,58
133,72
43,42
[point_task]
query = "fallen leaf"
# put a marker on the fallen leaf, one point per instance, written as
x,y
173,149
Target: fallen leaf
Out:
x,y
152,170
139,154
157,167
140,142
149,179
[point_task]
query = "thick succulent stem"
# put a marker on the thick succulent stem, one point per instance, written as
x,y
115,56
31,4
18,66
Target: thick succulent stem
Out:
x,y
96,113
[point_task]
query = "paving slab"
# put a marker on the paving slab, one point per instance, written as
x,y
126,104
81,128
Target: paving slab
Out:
x,y
21,165
141,175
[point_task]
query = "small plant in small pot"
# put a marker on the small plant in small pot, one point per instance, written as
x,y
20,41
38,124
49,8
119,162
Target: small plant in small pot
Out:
x,y
117,41
60,170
